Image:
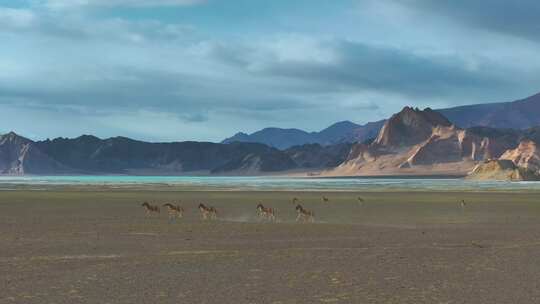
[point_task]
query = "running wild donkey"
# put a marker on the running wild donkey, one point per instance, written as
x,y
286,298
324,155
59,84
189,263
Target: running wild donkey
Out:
x,y
304,215
150,208
174,211
266,213
207,212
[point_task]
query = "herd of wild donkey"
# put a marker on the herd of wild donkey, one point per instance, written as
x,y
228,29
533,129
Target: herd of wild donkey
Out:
x,y
211,213
264,213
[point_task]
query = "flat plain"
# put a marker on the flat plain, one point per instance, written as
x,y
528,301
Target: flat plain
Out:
x,y
96,245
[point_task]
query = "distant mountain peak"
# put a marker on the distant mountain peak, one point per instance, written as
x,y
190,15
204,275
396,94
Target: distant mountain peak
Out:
x,y
88,137
10,134
340,132
13,137
410,126
19,155
411,115
344,123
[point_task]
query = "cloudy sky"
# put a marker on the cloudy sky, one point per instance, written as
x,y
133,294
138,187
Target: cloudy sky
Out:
x,y
164,70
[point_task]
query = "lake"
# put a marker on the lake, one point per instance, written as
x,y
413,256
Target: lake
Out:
x,y
267,183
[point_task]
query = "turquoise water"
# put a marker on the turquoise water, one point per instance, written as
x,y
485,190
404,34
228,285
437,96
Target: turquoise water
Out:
x,y
267,183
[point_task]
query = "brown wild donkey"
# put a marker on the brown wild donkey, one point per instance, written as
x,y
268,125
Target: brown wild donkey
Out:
x,y
207,212
266,213
304,215
463,205
175,211
150,208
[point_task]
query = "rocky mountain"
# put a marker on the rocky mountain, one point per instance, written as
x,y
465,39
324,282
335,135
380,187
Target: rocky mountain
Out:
x,y
341,132
19,155
409,127
315,156
502,169
526,155
520,114
532,134
424,142
411,142
119,155
275,137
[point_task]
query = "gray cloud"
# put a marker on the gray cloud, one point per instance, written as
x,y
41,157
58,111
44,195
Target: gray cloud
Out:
x,y
46,24
358,66
65,4
14,19
121,88
517,18
149,78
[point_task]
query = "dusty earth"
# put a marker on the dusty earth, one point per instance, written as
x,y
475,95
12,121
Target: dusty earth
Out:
x,y
95,246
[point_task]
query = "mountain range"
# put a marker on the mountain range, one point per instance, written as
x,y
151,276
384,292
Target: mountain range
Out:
x,y
340,132
119,155
411,142
424,142
520,114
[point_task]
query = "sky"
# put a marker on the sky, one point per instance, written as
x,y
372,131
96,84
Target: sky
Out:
x,y
175,70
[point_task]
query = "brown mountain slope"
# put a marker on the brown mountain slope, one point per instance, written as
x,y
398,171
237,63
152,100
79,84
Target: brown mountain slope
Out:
x,y
450,144
526,155
520,114
502,169
423,142
409,127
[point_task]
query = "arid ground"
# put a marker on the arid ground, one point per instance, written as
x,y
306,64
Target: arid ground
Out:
x,y
97,246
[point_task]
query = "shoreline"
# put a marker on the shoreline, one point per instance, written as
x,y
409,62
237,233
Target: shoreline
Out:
x,y
173,188
440,183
